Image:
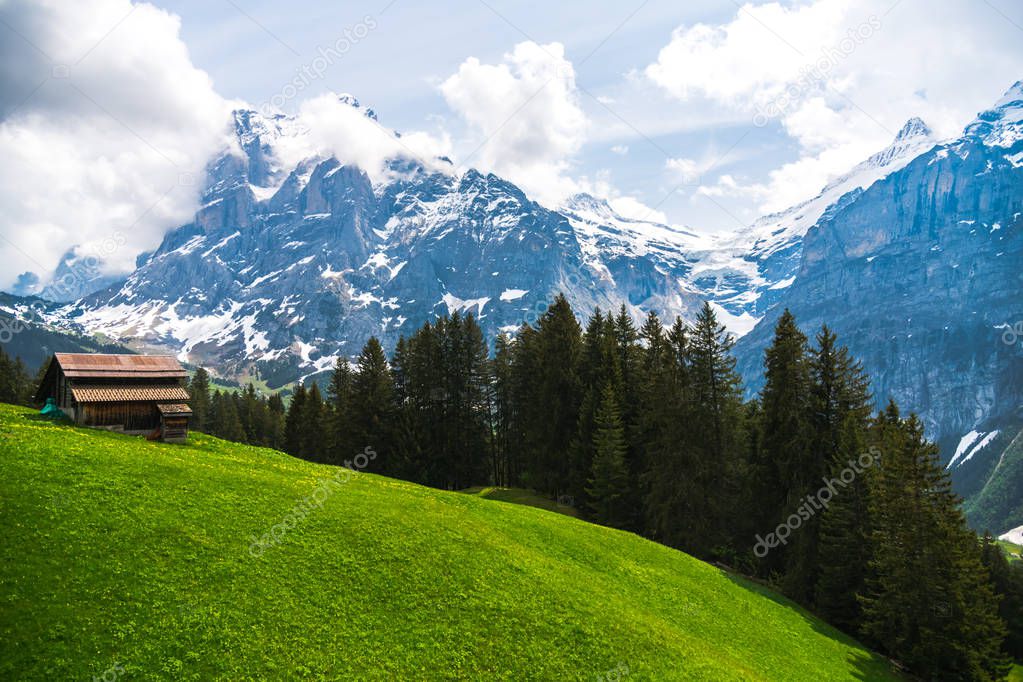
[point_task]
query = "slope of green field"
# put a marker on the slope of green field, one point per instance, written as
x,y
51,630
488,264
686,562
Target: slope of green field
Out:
x,y
998,506
526,497
139,560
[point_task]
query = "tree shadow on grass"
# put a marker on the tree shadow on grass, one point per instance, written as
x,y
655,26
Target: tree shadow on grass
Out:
x,y
868,665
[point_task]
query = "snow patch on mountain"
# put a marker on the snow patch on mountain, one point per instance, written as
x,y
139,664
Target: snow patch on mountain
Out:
x,y
1002,125
1015,536
319,251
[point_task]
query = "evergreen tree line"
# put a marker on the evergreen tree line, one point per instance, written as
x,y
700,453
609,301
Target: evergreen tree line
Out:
x,y
244,416
646,429
846,511
16,385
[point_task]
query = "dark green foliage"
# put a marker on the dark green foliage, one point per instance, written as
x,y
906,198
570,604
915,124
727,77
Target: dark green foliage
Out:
x,y
199,392
373,406
312,425
294,421
551,408
224,419
502,406
714,429
834,565
442,388
786,466
608,489
928,601
337,425
646,430
1007,580
16,385
244,417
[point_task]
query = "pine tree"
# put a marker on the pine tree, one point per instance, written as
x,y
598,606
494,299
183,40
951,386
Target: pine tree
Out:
x,y
628,389
275,421
226,423
928,601
787,467
373,406
199,398
840,416
248,413
552,412
8,383
294,421
844,537
313,426
339,445
22,383
598,364
715,421
665,400
524,394
15,383
1007,580
609,478
502,406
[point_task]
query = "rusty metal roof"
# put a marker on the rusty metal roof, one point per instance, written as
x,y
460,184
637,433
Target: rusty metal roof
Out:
x,y
98,365
175,408
127,393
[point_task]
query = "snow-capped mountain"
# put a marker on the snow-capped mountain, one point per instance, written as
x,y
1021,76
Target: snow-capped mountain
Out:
x,y
912,257
920,275
289,264
284,269
769,250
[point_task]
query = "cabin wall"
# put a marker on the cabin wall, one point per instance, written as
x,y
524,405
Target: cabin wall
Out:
x,y
175,429
132,417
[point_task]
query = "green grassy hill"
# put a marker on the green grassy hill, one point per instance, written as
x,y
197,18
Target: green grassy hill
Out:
x,y
136,560
526,497
997,506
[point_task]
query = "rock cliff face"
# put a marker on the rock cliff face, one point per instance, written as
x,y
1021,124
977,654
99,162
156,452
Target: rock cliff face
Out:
x,y
288,265
913,257
284,269
920,274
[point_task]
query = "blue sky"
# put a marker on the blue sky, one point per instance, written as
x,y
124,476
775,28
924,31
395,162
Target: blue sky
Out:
x,y
250,49
398,68
707,113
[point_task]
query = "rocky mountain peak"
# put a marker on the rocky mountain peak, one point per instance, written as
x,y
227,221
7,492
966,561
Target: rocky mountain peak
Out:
x,y
1002,125
914,128
353,101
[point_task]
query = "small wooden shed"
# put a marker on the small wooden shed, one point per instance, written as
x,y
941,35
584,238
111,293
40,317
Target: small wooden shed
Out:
x,y
136,394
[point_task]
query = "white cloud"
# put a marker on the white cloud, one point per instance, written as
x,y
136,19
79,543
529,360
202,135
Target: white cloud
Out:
x,y
336,128
839,78
748,57
690,171
106,130
728,186
630,207
525,113
620,149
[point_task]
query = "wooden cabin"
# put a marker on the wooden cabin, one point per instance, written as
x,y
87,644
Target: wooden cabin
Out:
x,y
137,394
